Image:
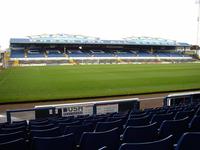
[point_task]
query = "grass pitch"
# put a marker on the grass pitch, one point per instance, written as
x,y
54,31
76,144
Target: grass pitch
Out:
x,y
62,82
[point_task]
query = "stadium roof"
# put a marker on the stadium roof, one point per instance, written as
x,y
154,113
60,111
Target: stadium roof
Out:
x,y
80,39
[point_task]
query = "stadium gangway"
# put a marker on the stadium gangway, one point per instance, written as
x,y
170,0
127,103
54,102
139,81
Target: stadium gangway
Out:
x,y
9,112
182,98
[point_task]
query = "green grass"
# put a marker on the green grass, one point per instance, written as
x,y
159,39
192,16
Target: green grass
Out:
x,y
61,82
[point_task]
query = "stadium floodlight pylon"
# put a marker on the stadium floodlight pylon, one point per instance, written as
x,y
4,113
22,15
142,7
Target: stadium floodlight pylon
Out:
x,y
198,22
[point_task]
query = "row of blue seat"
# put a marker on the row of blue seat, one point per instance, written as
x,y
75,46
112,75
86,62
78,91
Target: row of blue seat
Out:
x,y
21,54
94,132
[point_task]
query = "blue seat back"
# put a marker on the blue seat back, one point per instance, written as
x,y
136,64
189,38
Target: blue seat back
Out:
x,y
159,118
194,124
134,134
7,130
78,130
46,133
138,121
42,127
12,136
174,127
163,144
96,140
189,141
64,142
105,126
14,145
183,114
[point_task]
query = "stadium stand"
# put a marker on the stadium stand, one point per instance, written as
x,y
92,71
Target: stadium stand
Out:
x,y
35,53
77,53
100,53
76,49
54,53
160,130
17,53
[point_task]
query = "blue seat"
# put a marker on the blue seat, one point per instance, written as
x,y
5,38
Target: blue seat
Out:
x,y
63,125
96,140
174,127
78,130
138,115
54,53
135,134
137,112
16,124
163,144
64,120
94,121
64,142
159,118
39,122
189,141
12,136
104,126
194,124
2,125
183,114
197,112
123,118
42,127
138,121
12,129
14,145
46,133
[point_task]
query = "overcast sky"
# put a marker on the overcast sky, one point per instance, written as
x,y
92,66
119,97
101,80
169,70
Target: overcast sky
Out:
x,y
109,19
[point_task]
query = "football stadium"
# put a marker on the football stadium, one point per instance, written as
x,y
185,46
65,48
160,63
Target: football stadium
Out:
x,y
80,92
91,75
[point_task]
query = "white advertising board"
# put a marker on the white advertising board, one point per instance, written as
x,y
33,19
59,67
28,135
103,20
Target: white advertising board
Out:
x,y
107,108
77,110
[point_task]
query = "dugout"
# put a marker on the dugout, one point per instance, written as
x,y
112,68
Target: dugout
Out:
x,y
182,99
89,108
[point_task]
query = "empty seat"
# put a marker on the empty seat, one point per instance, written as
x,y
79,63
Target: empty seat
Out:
x,y
104,126
3,124
163,144
17,53
96,140
123,118
138,121
12,129
63,125
41,127
198,112
94,121
194,124
183,114
159,118
16,124
63,120
174,127
39,122
46,133
64,142
14,145
189,141
135,134
78,130
138,115
12,136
